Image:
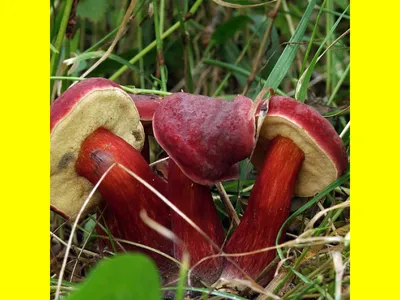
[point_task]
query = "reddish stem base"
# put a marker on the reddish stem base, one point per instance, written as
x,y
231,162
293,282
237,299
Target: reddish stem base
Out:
x,y
268,208
196,202
124,196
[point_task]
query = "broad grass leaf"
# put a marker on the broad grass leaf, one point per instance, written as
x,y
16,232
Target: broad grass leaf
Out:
x,y
124,277
285,60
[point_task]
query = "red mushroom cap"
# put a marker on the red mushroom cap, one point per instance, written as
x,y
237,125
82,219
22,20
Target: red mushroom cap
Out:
x,y
146,106
86,106
206,137
325,153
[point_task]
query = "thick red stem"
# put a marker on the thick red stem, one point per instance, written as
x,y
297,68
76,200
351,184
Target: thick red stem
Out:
x,y
124,196
267,210
196,202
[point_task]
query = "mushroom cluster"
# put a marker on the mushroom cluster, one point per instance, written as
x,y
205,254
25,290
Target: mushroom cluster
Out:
x,y
96,125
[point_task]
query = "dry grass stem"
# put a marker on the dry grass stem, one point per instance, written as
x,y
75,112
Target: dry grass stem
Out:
x,y
85,203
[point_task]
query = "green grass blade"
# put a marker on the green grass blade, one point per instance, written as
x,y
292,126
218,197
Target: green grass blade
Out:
x,y
129,89
301,89
285,60
339,84
60,37
153,44
96,54
311,284
185,40
159,45
310,43
53,49
338,112
114,31
64,282
180,289
204,291
235,68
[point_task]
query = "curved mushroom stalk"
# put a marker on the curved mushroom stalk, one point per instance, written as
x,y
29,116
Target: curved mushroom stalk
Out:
x,y
301,154
195,201
268,208
124,196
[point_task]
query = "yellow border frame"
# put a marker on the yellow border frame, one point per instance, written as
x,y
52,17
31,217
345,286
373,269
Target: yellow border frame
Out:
x,y
25,219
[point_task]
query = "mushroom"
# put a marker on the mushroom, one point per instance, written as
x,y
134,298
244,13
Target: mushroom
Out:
x,y
325,153
83,108
301,154
206,137
146,106
196,202
95,124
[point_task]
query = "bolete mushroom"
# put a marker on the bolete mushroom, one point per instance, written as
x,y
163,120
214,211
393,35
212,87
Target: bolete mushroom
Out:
x,y
325,154
196,202
301,154
206,137
95,124
77,113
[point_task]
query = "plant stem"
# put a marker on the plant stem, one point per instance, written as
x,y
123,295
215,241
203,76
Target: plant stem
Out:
x,y
60,37
159,44
267,32
329,55
309,204
312,38
146,50
186,48
182,277
162,18
126,88
239,70
139,40
232,68
145,91
116,39
110,34
338,85
228,204
82,34
238,60
142,53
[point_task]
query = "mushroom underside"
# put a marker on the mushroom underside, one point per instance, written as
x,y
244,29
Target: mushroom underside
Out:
x,y
317,170
99,108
